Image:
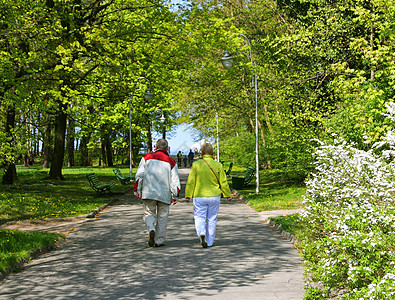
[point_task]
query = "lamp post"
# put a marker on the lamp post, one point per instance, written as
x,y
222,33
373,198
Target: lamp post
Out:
x,y
147,96
227,61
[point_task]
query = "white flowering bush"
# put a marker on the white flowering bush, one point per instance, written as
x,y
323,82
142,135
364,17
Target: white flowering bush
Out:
x,y
349,241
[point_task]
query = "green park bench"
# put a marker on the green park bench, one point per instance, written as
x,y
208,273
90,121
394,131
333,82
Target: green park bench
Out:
x,y
123,179
240,182
97,186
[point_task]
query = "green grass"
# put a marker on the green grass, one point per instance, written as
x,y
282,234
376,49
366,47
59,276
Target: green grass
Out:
x,y
34,197
275,192
290,223
17,245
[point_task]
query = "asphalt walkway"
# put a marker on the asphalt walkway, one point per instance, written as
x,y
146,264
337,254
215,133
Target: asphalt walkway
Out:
x,y
108,258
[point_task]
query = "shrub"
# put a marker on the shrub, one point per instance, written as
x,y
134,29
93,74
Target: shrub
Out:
x,y
240,149
290,150
349,240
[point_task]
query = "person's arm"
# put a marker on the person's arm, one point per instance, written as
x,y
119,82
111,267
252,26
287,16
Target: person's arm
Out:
x,y
191,183
224,185
138,185
175,184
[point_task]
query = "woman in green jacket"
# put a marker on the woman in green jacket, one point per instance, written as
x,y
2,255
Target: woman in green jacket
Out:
x,y
206,183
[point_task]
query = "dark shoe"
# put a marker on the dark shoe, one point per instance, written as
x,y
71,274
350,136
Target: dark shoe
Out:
x,y
203,240
160,245
151,238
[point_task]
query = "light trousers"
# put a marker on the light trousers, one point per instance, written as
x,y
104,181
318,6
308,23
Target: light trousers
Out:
x,y
155,217
205,215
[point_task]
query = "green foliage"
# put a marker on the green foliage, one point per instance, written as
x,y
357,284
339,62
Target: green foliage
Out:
x,y
83,59
240,149
290,150
348,240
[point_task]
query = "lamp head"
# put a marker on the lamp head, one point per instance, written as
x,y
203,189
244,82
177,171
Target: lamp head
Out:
x,y
148,95
227,60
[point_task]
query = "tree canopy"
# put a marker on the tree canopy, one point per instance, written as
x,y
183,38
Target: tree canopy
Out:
x,y
70,67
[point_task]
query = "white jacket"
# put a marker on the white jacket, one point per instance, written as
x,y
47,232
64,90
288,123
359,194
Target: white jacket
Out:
x,y
157,177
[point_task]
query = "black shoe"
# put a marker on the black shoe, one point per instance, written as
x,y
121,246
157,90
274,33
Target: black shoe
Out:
x,y
151,238
203,240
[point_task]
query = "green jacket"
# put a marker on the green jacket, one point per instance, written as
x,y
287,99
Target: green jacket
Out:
x,y
202,181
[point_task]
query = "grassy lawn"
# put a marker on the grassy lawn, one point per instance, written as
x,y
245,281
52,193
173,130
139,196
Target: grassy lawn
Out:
x,y
17,245
274,192
34,197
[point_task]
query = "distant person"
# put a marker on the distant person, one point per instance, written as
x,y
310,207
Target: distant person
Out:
x,y
158,185
206,182
179,157
191,156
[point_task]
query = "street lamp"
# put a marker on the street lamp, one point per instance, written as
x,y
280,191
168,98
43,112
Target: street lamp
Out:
x,y
147,96
227,61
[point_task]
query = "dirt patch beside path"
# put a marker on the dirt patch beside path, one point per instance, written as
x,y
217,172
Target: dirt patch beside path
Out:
x,y
59,225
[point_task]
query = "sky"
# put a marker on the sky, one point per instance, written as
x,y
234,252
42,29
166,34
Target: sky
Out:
x,y
181,139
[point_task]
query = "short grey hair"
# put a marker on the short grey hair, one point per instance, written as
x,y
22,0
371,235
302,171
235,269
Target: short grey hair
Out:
x,y
207,149
162,144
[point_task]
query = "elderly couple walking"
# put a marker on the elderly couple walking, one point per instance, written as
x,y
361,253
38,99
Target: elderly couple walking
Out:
x,y
158,185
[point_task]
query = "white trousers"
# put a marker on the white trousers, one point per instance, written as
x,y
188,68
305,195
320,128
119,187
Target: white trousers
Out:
x,y
205,214
155,217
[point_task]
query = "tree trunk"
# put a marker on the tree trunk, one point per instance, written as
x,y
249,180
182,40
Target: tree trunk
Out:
x,y
46,145
70,144
84,151
25,160
262,134
60,134
109,152
267,119
10,175
103,154
252,124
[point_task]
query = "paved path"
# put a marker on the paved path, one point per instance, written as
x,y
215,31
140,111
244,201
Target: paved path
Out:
x,y
108,258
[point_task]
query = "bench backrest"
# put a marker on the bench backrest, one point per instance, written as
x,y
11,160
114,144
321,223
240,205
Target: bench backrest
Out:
x,y
230,168
118,172
93,179
249,174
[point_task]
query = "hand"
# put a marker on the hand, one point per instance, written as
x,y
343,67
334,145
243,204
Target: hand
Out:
x,y
229,199
174,201
187,199
137,195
